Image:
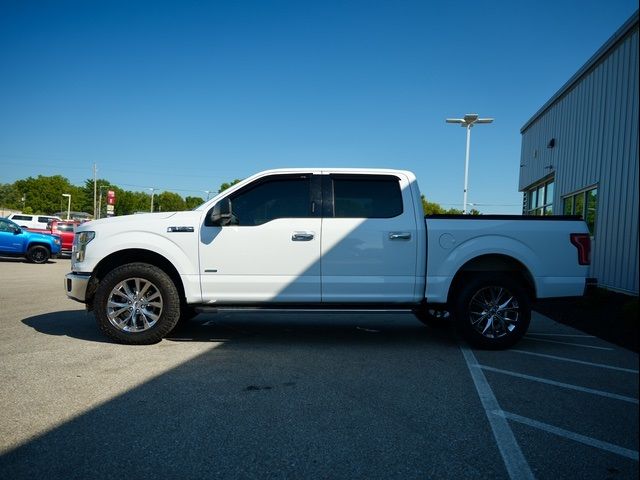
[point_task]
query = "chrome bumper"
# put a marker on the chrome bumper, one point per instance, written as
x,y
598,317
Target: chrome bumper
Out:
x,y
75,286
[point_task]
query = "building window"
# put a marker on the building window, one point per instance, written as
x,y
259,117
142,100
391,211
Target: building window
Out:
x,y
539,198
585,204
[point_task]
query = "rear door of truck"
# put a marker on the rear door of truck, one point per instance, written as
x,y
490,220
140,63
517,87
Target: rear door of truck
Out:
x,y
369,239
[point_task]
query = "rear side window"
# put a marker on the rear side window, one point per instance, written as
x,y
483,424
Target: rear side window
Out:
x,y
271,199
61,227
27,218
366,196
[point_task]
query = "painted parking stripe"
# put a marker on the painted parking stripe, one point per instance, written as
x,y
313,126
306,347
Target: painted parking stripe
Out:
x,y
578,388
581,362
561,335
609,447
512,456
567,343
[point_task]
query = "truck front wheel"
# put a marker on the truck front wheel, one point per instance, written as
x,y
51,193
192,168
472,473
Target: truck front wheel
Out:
x,y
38,254
137,304
492,310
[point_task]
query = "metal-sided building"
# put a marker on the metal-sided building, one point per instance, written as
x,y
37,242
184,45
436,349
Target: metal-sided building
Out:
x,y
580,156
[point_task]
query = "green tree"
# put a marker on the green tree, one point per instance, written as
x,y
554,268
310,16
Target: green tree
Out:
x,y
9,196
168,202
128,202
224,186
86,198
432,208
44,194
193,202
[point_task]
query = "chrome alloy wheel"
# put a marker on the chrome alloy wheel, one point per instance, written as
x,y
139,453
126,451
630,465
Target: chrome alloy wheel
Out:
x,y
134,305
494,312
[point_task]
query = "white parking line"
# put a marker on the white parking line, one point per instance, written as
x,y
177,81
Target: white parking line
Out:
x,y
609,447
578,388
573,360
512,456
566,343
561,335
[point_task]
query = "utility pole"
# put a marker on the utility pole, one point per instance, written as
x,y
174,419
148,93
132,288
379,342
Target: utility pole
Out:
x,y
95,187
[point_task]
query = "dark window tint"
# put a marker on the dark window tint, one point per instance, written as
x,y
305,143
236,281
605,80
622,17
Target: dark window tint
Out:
x,y
6,226
62,227
367,197
22,217
271,199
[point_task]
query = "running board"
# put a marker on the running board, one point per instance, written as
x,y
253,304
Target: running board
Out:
x,y
307,308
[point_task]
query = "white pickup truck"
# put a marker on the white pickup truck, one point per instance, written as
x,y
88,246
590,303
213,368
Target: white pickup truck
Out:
x,y
325,238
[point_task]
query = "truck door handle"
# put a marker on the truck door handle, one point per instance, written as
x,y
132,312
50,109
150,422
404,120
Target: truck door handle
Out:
x,y
400,236
302,236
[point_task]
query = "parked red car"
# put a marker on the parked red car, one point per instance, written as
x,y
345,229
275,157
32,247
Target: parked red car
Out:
x,y
66,229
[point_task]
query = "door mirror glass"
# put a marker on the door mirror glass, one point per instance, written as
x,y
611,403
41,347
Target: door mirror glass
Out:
x,y
220,214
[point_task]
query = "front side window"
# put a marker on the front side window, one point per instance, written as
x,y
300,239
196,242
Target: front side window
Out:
x,y
583,204
268,200
366,196
6,226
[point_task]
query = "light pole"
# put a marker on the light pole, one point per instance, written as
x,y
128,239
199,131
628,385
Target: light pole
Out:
x,y
207,192
469,120
68,195
152,191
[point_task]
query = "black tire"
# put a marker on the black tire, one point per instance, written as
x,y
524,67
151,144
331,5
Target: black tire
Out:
x,y
492,311
137,304
433,317
187,313
38,254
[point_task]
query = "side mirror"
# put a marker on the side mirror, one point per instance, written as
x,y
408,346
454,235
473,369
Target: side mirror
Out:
x,y
17,231
220,214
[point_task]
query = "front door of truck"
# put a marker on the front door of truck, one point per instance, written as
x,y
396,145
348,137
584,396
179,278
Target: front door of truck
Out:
x,y
270,249
369,239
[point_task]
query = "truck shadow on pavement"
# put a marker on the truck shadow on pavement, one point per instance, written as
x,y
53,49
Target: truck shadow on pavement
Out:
x,y
276,397
271,327
69,323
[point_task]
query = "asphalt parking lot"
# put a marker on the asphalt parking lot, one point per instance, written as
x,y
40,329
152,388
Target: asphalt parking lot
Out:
x,y
255,395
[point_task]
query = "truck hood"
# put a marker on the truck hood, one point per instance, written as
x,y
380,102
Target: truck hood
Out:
x,y
139,221
45,237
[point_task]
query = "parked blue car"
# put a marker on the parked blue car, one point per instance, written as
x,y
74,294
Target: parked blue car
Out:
x,y
35,247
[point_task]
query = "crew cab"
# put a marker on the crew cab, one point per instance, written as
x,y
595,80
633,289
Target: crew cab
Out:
x,y
16,241
325,238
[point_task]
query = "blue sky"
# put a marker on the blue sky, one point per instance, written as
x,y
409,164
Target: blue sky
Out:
x,y
182,96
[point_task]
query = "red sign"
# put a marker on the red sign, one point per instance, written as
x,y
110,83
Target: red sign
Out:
x,y
111,197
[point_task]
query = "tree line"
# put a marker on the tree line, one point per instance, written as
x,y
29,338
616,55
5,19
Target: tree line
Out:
x,y
43,195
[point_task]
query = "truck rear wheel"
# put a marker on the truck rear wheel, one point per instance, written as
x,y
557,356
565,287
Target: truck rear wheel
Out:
x,y
38,254
137,304
492,311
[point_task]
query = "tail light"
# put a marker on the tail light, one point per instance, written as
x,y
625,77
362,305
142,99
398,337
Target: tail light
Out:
x,y
582,241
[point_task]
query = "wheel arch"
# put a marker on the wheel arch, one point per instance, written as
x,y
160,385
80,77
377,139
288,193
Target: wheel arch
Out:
x,y
39,244
131,255
489,263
